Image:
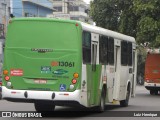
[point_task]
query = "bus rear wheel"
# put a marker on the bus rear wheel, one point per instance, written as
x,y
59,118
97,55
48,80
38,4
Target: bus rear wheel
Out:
x,y
101,107
41,106
124,103
154,92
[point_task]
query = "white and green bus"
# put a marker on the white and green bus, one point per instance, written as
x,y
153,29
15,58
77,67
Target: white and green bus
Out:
x,y
52,62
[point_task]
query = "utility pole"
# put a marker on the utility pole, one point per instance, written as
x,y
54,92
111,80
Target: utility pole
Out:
x,y
4,15
69,3
66,9
6,22
3,25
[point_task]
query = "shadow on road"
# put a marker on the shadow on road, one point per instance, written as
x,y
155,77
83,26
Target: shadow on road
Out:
x,y
79,112
146,95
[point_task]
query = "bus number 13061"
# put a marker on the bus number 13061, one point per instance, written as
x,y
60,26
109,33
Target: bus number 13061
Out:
x,y
63,64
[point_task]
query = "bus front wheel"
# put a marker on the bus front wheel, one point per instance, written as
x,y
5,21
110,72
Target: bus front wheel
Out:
x,y
42,106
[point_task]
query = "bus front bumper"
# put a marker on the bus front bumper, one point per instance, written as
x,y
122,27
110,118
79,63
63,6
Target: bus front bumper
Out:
x,y
30,95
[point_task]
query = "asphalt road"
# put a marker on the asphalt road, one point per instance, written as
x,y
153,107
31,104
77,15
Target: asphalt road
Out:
x,y
142,102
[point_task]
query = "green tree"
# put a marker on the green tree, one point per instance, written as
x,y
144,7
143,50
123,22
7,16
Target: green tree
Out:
x,y
105,13
116,15
137,18
128,19
149,22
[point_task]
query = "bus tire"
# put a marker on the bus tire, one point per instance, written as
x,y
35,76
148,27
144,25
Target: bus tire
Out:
x,y
152,92
101,107
124,103
156,92
0,95
41,106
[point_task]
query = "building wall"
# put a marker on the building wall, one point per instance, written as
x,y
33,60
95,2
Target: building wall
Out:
x,y
4,18
76,9
16,8
33,10
32,7
44,2
4,12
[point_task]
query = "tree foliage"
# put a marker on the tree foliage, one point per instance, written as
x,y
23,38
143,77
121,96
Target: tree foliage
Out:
x,y
137,18
105,13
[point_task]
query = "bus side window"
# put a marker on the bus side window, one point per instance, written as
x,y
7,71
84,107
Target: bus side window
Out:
x,y
103,43
130,52
86,47
126,53
111,51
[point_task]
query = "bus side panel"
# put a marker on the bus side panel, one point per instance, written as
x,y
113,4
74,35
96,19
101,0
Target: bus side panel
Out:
x,y
134,72
96,79
124,77
90,85
93,80
103,81
110,82
84,89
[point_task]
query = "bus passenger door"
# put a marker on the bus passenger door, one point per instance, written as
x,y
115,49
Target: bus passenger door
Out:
x,y
116,89
95,69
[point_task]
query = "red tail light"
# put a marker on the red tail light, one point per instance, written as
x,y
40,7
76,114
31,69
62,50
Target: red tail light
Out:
x,y
77,24
74,81
7,78
0,83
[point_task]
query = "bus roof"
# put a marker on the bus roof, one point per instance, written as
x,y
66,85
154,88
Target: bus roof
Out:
x,y
43,19
107,32
85,26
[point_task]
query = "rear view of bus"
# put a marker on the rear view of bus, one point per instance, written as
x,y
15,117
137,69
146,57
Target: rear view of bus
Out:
x,y
152,73
42,62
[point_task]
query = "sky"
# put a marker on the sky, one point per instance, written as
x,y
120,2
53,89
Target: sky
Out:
x,y
87,1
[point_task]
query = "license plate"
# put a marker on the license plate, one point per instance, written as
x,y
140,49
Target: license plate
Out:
x,y
37,81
